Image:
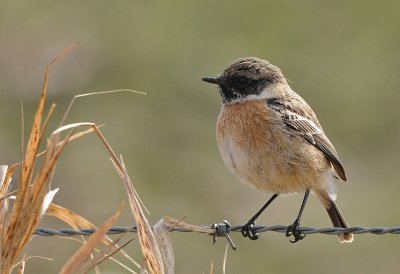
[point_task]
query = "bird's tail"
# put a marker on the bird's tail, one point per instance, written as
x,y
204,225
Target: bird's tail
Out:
x,y
336,216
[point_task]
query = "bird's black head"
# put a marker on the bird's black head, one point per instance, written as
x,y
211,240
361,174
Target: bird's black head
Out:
x,y
246,78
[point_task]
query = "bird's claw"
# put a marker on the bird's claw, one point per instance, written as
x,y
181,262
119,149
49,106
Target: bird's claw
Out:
x,y
294,230
248,231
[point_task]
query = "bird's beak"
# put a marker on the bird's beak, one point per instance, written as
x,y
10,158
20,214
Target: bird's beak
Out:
x,y
212,80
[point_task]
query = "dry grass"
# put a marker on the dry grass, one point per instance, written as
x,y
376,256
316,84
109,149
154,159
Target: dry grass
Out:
x,y
20,221
78,262
20,215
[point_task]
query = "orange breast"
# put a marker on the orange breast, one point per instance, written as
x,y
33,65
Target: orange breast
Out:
x,y
257,148
247,123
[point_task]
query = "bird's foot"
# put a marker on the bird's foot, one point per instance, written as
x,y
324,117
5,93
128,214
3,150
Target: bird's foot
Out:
x,y
294,230
248,231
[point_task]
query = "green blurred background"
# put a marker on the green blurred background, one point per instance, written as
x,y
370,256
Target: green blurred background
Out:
x,y
343,57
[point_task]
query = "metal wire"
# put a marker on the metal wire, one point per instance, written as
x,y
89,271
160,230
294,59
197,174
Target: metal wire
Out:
x,y
222,229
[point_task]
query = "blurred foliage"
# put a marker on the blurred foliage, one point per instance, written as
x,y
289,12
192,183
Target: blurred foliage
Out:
x,y
343,57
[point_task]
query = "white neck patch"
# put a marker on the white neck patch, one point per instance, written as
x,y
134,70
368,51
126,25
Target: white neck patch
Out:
x,y
265,94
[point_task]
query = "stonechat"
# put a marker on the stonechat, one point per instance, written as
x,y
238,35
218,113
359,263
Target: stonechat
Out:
x,y
271,139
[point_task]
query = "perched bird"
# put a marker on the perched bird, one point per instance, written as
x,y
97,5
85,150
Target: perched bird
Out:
x,y
271,139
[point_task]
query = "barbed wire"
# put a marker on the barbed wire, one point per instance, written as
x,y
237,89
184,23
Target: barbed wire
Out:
x,y
233,228
223,229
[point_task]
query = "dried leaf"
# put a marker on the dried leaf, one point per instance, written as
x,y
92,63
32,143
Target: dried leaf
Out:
x,y
116,162
161,234
148,243
63,53
46,121
3,173
21,268
75,263
107,252
68,216
171,222
76,221
25,259
6,181
48,199
29,200
224,262
71,138
110,255
90,94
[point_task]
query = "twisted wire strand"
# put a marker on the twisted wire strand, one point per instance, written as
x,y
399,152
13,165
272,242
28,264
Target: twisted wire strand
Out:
x,y
222,229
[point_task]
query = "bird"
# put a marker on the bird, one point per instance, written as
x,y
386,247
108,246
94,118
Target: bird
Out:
x,y
270,138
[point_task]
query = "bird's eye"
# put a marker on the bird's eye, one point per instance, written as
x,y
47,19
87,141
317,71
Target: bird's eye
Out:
x,y
242,81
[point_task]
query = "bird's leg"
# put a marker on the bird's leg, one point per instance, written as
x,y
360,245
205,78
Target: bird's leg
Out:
x,y
248,229
294,229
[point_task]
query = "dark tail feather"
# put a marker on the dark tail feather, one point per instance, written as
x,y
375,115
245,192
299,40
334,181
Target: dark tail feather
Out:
x,y
339,221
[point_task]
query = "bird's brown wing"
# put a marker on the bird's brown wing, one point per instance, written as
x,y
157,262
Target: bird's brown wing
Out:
x,y
300,118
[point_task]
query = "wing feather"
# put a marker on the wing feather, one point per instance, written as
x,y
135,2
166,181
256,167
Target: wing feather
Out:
x,y
300,118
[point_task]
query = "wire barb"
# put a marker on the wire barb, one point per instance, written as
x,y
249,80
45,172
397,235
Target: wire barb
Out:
x,y
222,230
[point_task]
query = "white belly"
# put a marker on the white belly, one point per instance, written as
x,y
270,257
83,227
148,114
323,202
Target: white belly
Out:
x,y
259,170
235,159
